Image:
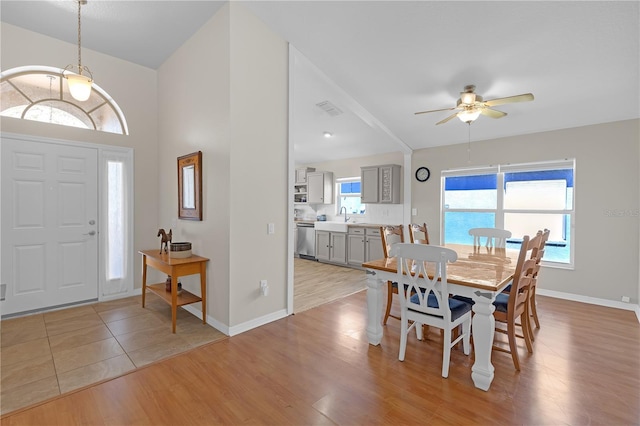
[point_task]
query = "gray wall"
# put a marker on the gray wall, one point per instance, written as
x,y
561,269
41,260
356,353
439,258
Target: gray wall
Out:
x,y
606,178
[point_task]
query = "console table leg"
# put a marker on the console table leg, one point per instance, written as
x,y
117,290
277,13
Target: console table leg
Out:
x,y
144,278
203,291
174,301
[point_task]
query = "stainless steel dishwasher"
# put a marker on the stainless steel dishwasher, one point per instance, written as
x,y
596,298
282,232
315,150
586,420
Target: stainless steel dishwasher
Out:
x,y
306,241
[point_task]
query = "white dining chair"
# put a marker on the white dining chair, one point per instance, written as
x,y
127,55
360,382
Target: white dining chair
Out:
x,y
426,301
494,237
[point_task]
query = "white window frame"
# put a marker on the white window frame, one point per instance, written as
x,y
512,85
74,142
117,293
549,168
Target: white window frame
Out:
x,y
500,211
122,287
89,112
339,194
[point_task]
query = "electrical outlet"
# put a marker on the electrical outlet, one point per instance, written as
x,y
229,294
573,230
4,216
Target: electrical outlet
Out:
x,y
264,287
414,212
626,299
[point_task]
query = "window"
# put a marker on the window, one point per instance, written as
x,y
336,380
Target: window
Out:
x,y
349,196
40,93
522,198
116,229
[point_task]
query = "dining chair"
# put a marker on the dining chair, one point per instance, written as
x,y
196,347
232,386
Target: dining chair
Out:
x,y
494,237
538,253
426,301
390,235
511,306
418,233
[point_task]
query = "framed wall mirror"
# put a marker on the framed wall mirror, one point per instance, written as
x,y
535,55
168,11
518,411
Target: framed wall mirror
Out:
x,y
190,186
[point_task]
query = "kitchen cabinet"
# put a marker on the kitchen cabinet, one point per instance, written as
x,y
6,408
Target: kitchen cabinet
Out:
x,y
331,246
369,184
320,188
381,184
301,174
364,244
300,187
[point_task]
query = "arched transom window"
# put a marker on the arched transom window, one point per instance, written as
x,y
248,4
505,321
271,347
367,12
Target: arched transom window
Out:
x,y
40,93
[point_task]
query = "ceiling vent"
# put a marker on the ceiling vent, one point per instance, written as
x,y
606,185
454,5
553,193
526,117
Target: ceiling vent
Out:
x,y
329,108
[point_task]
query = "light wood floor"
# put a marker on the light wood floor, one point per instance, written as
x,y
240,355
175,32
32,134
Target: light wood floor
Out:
x,y
47,354
316,367
317,283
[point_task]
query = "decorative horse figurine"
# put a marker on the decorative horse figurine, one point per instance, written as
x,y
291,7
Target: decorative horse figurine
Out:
x,y
166,239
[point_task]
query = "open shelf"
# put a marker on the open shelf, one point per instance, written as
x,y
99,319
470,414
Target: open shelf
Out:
x,y
184,298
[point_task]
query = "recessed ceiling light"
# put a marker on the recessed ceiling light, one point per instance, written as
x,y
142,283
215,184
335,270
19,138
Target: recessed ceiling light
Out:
x,y
328,135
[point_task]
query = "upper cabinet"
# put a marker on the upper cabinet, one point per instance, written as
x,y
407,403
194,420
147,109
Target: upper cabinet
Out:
x,y
320,188
301,174
381,184
300,187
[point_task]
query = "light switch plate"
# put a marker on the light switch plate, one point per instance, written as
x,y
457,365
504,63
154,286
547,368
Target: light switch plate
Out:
x,y
271,228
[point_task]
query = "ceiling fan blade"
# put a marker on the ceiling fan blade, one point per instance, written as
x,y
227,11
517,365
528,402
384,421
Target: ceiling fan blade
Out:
x,y
447,119
493,113
435,110
510,99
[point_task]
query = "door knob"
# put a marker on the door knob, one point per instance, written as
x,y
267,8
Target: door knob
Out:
x,y
90,233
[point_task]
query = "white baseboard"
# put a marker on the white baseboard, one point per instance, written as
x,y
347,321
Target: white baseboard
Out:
x,y
223,328
241,328
266,319
591,300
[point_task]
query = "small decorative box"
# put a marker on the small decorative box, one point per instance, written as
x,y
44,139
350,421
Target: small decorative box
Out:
x,y
180,250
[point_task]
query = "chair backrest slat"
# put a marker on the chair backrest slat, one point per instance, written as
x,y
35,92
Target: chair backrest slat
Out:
x,y
416,228
391,235
494,237
416,262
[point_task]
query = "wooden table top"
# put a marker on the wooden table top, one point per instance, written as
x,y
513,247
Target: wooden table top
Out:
x,y
164,257
483,268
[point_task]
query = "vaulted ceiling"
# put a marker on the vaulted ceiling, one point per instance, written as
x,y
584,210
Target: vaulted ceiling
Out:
x,y
379,62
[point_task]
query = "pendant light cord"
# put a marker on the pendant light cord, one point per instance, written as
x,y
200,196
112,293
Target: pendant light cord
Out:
x,y
469,144
79,41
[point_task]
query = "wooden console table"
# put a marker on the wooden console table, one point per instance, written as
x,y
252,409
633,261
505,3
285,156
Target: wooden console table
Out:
x,y
175,267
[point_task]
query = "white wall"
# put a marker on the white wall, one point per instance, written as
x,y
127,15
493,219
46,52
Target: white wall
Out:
x,y
606,178
224,92
259,167
194,110
133,87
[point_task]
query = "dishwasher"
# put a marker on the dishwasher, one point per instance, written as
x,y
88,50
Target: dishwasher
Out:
x,y
306,241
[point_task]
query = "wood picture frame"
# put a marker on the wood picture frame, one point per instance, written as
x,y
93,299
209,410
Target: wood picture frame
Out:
x,y
190,186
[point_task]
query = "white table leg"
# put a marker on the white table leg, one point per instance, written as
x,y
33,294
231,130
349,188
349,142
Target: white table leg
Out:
x,y
483,330
374,308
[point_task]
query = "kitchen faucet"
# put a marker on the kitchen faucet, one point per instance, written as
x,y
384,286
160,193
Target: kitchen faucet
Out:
x,y
346,218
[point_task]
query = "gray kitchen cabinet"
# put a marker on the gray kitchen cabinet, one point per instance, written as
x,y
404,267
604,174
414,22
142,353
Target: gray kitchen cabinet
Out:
x,y
300,187
363,245
320,188
381,184
331,246
356,246
301,174
373,245
369,184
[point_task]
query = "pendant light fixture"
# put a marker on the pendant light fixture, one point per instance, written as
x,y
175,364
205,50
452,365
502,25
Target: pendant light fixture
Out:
x,y
79,83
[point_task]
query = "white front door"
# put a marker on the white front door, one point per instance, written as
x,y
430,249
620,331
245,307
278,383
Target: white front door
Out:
x,y
49,224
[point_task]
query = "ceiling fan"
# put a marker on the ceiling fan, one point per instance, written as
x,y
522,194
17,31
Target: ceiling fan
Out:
x,y
470,106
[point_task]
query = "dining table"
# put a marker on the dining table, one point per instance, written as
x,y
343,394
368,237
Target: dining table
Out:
x,y
480,273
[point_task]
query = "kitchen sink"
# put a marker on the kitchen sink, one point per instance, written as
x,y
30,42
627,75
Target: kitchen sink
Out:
x,y
332,226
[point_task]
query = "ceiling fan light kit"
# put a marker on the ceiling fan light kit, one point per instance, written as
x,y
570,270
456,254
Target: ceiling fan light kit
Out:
x,y
470,106
79,84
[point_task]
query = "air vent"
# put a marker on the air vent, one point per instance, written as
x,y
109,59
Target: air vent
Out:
x,y
329,108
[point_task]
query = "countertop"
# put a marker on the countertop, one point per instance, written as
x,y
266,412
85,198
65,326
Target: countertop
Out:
x,y
354,225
